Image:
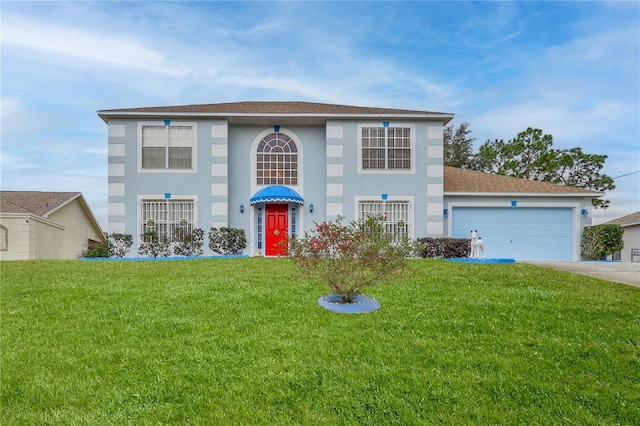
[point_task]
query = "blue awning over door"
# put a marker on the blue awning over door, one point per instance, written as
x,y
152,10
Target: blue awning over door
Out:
x,y
276,194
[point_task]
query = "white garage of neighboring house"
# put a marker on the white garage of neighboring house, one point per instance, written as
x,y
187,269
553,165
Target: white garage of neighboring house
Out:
x,y
516,218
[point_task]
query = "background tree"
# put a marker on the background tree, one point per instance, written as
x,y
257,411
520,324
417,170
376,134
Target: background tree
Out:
x,y
527,156
573,167
531,156
492,157
458,146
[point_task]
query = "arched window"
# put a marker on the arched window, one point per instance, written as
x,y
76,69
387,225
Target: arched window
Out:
x,y
277,160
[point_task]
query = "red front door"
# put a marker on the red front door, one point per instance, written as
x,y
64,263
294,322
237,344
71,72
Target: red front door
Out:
x,y
277,217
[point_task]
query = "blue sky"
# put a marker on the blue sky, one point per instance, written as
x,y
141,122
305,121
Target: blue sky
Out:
x,y
571,69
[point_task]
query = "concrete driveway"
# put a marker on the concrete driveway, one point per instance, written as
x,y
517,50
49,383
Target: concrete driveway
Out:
x,y
622,272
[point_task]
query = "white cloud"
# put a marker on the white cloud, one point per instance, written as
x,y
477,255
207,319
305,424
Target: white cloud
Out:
x,y
490,24
10,107
10,162
86,45
568,123
583,91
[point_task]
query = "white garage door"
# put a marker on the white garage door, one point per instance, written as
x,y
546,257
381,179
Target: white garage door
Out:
x,y
518,233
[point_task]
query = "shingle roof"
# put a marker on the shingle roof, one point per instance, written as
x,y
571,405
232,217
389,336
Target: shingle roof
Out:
x,y
35,202
463,181
630,219
273,107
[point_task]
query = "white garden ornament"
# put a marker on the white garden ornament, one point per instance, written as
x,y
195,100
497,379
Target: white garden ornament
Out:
x,y
476,245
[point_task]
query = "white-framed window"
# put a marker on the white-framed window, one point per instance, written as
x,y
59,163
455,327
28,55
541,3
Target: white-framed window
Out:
x,y
397,214
389,148
167,147
166,216
277,160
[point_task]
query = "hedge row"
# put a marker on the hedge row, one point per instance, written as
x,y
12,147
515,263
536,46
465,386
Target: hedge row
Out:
x,y
445,248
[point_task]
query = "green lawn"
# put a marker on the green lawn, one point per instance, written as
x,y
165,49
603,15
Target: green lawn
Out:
x,y
238,341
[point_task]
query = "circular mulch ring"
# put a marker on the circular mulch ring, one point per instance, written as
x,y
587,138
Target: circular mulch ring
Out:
x,y
361,304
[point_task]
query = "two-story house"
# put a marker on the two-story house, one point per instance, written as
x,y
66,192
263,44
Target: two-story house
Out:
x,y
276,168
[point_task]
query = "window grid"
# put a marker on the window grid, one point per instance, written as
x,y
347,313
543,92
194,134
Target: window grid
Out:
x,y
277,161
167,216
386,148
399,148
395,213
167,147
373,148
259,220
4,238
293,221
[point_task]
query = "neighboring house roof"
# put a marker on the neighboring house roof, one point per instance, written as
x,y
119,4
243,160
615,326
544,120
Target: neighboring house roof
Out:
x,y
35,202
628,220
260,112
41,203
463,181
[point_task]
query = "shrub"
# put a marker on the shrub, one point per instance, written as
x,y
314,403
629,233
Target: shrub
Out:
x,y
153,245
349,258
445,248
599,241
119,244
189,243
227,240
100,250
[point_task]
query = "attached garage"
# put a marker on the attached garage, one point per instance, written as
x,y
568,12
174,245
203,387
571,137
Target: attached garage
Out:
x,y
518,233
516,218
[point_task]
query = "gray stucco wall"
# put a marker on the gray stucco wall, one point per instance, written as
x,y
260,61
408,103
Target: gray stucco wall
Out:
x,y
127,183
423,183
224,176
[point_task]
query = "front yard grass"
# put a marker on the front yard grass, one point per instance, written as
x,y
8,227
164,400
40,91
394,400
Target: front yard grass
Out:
x,y
238,341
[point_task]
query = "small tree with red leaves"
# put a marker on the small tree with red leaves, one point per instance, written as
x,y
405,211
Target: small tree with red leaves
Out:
x,y
349,258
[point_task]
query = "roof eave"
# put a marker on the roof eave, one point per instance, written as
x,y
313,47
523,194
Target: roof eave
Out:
x,y
525,194
624,225
105,115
